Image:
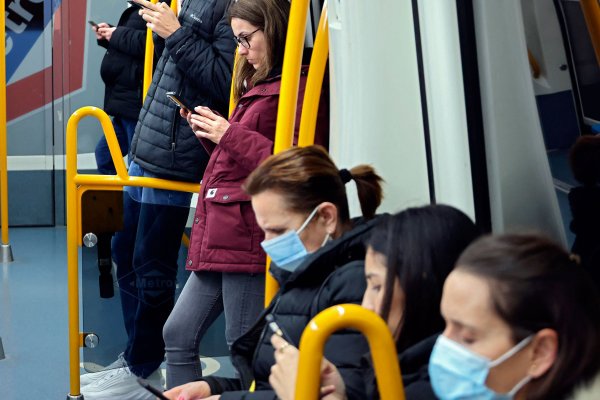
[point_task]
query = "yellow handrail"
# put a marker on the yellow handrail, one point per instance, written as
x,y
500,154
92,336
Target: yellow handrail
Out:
x,y
3,150
591,13
77,184
149,58
314,82
288,97
383,350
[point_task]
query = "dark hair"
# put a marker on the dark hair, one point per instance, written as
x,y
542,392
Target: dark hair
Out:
x,y
306,177
271,17
421,246
535,285
584,158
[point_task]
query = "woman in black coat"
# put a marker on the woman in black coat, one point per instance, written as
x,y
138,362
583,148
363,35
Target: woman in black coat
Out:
x,y
300,202
122,71
409,255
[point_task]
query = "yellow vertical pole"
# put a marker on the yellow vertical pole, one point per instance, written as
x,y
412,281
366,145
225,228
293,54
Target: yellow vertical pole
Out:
x,y
149,58
381,344
72,256
6,252
591,13
288,97
314,83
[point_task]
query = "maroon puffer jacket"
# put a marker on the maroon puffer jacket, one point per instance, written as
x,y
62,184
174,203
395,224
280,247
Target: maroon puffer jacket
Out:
x,y
225,236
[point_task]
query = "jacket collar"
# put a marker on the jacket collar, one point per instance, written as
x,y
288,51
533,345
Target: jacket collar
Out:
x,y
318,265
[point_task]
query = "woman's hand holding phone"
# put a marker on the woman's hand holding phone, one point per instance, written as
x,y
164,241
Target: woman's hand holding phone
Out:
x,y
208,125
285,372
159,17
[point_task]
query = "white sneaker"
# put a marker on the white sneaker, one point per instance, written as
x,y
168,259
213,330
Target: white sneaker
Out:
x,y
121,384
88,378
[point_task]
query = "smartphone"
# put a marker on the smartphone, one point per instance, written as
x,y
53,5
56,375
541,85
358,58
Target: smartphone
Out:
x,y
274,326
138,5
92,23
158,393
180,103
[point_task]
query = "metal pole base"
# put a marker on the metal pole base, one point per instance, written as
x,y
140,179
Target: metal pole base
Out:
x,y
6,254
71,397
2,355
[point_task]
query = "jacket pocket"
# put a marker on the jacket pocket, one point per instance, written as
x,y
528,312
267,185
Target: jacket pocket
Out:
x,y
229,219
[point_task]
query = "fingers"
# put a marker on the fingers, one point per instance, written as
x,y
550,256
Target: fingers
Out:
x,y
207,112
148,4
277,341
103,25
327,390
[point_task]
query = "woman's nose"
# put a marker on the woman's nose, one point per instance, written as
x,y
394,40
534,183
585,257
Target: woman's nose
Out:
x,y
242,50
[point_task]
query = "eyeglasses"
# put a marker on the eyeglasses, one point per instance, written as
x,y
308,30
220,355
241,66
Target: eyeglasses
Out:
x,y
244,40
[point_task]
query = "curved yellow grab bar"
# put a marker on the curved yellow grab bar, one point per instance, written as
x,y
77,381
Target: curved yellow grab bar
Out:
x,y
77,184
314,83
591,13
383,350
149,58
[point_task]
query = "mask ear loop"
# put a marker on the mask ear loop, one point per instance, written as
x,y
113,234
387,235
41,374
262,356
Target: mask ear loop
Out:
x,y
307,221
520,346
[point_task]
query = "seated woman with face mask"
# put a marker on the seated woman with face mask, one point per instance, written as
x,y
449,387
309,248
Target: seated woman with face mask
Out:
x,y
409,255
522,322
317,254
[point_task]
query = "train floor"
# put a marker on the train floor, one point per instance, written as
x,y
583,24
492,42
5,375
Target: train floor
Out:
x,y
34,320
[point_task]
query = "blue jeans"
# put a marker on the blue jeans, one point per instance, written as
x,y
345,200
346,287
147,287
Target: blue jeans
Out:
x,y
204,297
124,128
146,253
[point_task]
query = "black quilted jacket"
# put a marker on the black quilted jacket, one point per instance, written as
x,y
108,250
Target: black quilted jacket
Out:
x,y
196,63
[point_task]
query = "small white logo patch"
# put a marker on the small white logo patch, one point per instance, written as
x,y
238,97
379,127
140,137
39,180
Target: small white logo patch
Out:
x,y
196,18
210,193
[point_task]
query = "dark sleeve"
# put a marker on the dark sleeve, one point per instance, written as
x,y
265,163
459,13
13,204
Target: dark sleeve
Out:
x,y
129,41
206,62
103,43
219,385
346,348
245,395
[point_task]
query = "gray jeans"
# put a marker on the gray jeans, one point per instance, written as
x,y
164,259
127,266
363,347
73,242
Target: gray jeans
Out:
x,y
204,297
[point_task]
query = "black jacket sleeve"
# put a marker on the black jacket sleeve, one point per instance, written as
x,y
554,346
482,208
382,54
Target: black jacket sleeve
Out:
x,y
207,62
103,43
346,348
129,41
245,395
219,385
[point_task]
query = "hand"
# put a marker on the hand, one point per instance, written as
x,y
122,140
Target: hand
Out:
x,y
97,27
190,391
285,372
106,32
207,125
159,18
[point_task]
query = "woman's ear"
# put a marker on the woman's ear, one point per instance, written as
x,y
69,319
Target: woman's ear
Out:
x,y
328,214
545,349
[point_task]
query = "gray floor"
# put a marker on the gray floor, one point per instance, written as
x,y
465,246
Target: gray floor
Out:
x,y
33,319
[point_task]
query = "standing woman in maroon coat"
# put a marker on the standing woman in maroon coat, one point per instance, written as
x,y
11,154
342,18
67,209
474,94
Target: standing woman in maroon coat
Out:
x,y
225,255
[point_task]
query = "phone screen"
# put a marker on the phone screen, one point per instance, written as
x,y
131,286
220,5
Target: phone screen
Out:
x,y
158,393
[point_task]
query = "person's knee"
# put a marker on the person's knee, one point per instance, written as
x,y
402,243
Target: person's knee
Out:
x,y
174,330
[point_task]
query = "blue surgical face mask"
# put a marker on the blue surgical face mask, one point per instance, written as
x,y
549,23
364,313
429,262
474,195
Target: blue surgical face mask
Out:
x,y
287,250
458,373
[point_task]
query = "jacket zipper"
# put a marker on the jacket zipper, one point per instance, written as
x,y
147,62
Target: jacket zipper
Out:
x,y
173,137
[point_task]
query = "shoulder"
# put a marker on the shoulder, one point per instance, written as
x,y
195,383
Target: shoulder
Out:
x,y
345,284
